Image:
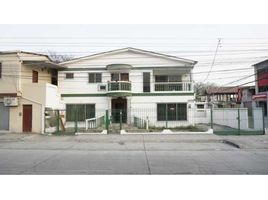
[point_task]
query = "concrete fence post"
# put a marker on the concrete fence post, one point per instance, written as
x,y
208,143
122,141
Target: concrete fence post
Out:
x,y
211,117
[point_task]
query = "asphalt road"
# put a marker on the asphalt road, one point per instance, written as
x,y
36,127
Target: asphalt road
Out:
x,y
133,154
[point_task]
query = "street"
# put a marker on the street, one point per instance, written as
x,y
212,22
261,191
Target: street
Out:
x,y
133,154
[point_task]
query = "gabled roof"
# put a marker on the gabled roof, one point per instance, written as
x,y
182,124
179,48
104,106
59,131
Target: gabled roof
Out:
x,y
133,50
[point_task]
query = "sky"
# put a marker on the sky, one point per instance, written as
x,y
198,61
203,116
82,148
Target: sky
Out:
x,y
239,46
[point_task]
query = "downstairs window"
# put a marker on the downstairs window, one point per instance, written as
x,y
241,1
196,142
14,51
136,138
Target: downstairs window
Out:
x,y
171,111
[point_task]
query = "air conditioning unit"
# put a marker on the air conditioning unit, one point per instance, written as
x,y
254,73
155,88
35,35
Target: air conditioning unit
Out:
x,y
10,101
102,87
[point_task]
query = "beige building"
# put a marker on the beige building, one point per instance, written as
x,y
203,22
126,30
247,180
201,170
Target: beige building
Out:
x,y
28,85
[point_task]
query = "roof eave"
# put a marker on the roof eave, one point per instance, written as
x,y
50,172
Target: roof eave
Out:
x,y
43,64
192,62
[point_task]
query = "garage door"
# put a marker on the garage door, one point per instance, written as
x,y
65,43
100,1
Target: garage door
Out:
x,y
4,117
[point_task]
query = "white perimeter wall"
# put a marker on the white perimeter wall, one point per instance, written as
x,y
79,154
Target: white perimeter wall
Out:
x,y
228,117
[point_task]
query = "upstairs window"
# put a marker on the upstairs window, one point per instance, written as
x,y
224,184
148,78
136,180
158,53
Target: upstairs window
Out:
x,y
167,78
94,78
119,77
35,76
146,82
69,75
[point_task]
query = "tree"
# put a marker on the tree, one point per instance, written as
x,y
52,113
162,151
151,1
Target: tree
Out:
x,y
58,58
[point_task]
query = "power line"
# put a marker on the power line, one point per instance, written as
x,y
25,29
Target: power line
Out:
x,y
224,89
214,58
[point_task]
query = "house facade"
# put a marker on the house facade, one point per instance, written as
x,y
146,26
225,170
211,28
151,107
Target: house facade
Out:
x,y
260,99
138,83
28,85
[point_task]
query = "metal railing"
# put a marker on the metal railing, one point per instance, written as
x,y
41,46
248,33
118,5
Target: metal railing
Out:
x,y
94,122
140,123
176,86
223,121
119,86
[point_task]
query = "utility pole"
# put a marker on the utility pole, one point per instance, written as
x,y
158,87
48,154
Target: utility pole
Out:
x,y
214,58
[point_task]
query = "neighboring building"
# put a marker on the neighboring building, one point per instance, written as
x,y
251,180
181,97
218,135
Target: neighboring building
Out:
x,y
245,95
261,85
131,80
222,97
28,85
201,102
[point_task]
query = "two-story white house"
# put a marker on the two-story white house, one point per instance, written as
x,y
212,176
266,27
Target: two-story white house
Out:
x,y
28,85
140,83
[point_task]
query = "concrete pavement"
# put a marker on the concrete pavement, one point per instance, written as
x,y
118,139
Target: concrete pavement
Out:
x,y
133,154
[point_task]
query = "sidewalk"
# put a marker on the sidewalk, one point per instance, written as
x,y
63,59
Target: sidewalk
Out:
x,y
244,142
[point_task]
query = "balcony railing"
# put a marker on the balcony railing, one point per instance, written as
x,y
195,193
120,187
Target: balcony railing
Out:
x,y
176,86
114,86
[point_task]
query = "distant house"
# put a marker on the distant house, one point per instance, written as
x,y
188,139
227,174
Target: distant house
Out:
x,y
28,85
260,99
222,97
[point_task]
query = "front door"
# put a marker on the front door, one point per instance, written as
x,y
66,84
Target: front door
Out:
x,y
4,117
118,105
27,118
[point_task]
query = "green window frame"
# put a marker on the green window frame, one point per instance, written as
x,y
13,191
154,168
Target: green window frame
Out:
x,y
84,111
171,111
94,78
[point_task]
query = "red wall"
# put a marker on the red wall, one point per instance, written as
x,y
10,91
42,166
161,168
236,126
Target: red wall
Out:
x,y
264,81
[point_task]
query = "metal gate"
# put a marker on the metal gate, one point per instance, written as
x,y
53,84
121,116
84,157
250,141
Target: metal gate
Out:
x,y
4,117
237,121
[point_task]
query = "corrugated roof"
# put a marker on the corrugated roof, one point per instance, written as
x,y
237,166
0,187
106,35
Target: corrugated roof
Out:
x,y
222,90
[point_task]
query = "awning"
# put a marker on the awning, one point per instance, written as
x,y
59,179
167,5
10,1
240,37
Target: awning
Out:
x,y
259,97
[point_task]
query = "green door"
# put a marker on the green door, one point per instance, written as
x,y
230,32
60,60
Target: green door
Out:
x,y
118,105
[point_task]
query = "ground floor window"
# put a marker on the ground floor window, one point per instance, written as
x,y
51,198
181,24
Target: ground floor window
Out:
x,y
171,111
81,112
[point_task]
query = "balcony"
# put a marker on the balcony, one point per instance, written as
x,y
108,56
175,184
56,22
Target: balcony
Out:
x,y
119,88
176,86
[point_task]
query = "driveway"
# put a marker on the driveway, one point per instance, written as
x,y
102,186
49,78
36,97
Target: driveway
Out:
x,y
133,154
